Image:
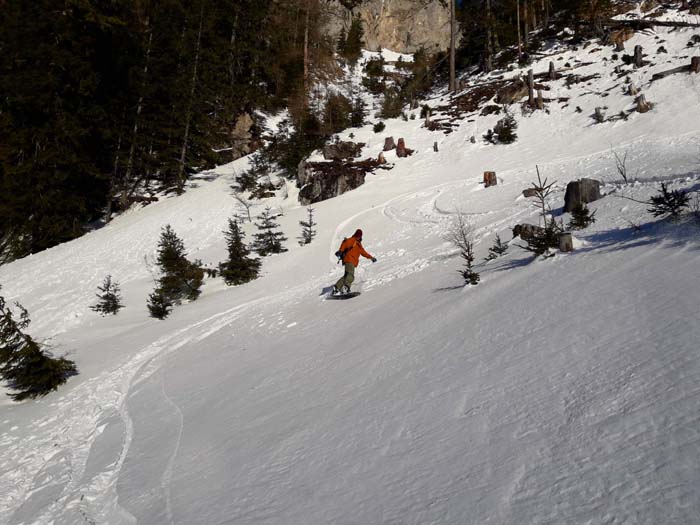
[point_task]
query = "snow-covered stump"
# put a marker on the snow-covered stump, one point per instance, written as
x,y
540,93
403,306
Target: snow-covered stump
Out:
x,y
566,242
389,144
695,65
490,179
638,60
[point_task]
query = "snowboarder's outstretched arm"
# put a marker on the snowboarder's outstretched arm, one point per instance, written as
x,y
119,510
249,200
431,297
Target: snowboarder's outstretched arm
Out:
x,y
366,255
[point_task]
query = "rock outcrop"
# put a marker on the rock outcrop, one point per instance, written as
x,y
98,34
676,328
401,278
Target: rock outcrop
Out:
x,y
403,26
342,150
324,180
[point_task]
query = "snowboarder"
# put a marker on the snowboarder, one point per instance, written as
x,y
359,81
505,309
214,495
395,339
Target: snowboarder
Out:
x,y
349,252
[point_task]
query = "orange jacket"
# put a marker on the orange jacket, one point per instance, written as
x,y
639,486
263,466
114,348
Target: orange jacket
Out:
x,y
354,250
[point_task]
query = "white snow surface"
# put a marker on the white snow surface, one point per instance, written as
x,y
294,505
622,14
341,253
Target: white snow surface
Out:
x,y
563,390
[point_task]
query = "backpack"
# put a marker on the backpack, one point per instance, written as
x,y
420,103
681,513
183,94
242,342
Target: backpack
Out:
x,y
341,254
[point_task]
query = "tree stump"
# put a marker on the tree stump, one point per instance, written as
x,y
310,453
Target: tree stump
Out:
x,y
381,159
642,105
552,71
638,61
529,192
531,88
619,46
632,90
490,179
599,116
472,139
566,242
695,65
402,150
581,191
389,144
540,99
435,147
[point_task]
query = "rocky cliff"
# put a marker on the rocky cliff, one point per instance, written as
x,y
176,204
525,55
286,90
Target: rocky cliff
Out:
x,y
399,25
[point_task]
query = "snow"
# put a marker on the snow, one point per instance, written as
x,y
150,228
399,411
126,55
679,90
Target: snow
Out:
x,y
563,390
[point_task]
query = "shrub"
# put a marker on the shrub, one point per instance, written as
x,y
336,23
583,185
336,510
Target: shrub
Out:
x,y
109,298
581,217
504,131
499,248
392,105
668,202
379,127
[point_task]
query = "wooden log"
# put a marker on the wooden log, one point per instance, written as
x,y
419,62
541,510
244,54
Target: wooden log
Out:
x,y
638,60
695,65
531,88
566,242
490,179
669,72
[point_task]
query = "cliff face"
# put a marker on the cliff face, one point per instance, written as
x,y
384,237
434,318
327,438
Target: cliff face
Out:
x,y
399,25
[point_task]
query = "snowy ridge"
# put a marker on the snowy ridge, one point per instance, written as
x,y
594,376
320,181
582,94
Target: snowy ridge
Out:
x,y
557,391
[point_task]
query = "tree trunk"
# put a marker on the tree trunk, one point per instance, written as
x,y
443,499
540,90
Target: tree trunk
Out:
x,y
126,192
695,65
520,40
526,20
489,51
190,102
306,51
453,73
638,60
531,88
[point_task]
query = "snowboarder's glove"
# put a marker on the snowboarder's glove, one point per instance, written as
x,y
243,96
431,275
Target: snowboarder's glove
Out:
x,y
374,259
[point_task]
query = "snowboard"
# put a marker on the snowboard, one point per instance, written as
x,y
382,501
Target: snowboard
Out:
x,y
343,296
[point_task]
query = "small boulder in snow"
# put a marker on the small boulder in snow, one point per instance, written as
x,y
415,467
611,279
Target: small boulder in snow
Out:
x,y
581,191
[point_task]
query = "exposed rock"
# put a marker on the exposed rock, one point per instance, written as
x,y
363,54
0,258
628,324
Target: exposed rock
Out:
x,y
323,180
389,144
527,231
242,136
404,26
342,150
581,191
512,92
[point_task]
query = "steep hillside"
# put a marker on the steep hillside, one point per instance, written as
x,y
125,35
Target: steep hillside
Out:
x,y
558,390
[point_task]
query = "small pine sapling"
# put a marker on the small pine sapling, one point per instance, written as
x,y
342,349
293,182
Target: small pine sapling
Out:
x,y
307,229
668,202
24,365
159,305
581,217
545,238
239,268
499,248
268,239
109,298
461,235
504,131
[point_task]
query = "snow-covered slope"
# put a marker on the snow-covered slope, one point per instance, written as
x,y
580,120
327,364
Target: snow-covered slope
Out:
x,y
557,391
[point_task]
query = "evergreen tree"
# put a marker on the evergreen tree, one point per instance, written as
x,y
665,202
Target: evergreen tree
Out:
x,y
268,239
180,278
239,268
358,113
499,248
669,203
307,228
581,217
24,365
352,50
109,297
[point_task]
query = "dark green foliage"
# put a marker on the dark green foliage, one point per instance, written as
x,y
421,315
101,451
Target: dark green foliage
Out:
x,y
424,111
109,298
292,144
379,127
307,228
239,268
503,132
180,279
392,104
159,305
337,114
499,248
581,217
358,113
24,365
351,48
133,97
669,203
542,241
268,240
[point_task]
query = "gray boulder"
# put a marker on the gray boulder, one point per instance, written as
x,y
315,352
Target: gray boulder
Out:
x,y
342,150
